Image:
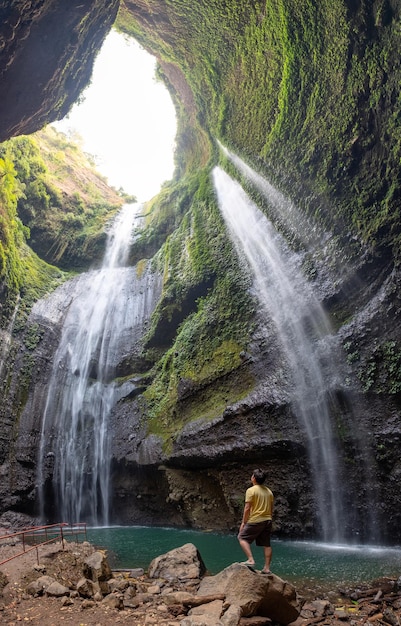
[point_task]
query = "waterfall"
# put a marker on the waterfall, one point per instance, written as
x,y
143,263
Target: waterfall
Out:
x,y
284,210
304,333
98,328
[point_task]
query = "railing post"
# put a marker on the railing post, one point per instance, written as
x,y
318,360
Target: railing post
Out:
x,y
38,532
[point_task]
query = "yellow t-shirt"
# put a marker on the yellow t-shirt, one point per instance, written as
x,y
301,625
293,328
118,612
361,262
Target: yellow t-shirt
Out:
x,y
261,499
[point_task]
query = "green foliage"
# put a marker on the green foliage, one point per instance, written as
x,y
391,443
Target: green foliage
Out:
x,y
32,336
62,200
205,312
381,372
12,232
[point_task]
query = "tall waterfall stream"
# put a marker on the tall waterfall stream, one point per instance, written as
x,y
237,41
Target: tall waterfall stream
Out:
x,y
305,336
98,328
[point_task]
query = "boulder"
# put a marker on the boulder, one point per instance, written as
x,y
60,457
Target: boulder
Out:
x,y
114,601
177,597
207,614
96,567
38,586
232,616
254,593
57,590
87,588
183,564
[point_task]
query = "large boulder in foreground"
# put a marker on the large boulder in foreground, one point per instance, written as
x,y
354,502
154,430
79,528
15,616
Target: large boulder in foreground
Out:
x,y
253,593
184,564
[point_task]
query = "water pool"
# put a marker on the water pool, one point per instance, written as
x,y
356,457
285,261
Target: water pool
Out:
x,y
309,562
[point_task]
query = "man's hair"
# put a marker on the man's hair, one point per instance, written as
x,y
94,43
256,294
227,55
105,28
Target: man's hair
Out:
x,y
259,476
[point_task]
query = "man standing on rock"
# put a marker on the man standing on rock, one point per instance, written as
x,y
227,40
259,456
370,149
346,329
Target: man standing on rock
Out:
x,y
257,520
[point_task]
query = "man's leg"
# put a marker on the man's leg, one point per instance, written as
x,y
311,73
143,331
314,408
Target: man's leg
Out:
x,y
247,549
268,557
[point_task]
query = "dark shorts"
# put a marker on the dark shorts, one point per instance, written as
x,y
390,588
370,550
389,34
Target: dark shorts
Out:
x,y
259,532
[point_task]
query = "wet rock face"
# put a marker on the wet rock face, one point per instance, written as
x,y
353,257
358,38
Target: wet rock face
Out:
x,y
47,50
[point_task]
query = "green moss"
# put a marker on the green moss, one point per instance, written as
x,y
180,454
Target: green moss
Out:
x,y
61,199
202,321
381,372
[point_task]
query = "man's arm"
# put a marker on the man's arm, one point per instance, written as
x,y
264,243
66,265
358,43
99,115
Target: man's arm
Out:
x,y
246,514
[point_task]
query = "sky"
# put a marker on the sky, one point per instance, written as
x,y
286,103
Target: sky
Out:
x,y
127,119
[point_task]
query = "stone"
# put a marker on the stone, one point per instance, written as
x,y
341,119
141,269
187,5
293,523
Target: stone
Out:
x,y
104,587
261,621
129,593
390,617
113,601
57,590
87,588
132,603
38,586
184,563
254,593
39,568
88,604
177,597
341,614
213,609
96,567
118,584
232,616
317,608
137,572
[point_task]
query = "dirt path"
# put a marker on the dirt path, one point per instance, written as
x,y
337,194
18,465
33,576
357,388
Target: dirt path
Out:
x,y
16,606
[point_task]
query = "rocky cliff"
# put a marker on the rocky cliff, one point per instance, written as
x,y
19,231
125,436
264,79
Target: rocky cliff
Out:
x,y
308,95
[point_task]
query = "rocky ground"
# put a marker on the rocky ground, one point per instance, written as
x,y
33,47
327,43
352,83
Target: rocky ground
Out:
x,y
138,600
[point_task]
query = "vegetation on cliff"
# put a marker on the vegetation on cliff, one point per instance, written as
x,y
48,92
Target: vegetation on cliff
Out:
x,y
53,210
22,272
201,325
308,91
308,94
62,200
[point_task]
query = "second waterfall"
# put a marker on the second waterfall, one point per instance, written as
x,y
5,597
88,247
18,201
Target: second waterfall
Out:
x,y
305,338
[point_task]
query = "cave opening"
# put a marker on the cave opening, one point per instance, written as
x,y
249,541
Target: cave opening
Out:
x,y
126,119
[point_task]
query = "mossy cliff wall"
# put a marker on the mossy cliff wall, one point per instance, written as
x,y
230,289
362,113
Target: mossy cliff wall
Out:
x,y
307,93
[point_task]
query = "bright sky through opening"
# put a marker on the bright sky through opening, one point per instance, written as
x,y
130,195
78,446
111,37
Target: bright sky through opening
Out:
x,y
127,119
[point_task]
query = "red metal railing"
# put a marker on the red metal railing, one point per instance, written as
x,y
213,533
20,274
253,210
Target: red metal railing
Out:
x,y
36,536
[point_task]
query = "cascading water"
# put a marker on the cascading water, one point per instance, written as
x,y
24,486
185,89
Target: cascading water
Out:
x,y
284,210
304,333
98,327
